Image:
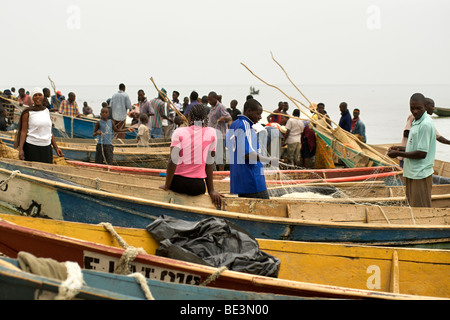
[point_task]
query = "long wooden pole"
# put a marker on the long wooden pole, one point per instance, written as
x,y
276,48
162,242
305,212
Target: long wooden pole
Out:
x,y
167,100
293,101
351,136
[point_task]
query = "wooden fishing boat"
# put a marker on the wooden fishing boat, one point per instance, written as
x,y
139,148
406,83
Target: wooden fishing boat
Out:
x,y
442,112
441,168
273,177
297,176
144,157
89,255
29,195
16,284
155,157
73,127
351,157
375,194
8,138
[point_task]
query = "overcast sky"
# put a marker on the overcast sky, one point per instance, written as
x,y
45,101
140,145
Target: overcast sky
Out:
x,y
105,42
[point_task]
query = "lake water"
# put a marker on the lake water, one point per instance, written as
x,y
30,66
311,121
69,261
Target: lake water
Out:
x,y
384,108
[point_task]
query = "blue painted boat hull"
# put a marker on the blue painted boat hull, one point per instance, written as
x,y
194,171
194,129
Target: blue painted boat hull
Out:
x,y
79,128
17,285
72,203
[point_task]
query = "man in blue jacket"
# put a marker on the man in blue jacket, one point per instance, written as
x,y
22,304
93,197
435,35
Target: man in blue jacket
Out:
x,y
246,170
346,119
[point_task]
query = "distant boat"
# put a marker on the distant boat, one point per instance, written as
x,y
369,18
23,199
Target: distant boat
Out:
x,y
442,112
253,91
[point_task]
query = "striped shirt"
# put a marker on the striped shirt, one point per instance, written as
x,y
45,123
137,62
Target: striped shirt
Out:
x,y
158,106
69,109
214,114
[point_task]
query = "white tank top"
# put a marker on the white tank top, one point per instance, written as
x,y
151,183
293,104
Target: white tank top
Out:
x,y
39,128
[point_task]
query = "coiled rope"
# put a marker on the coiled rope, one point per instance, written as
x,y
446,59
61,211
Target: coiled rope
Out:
x,y
130,253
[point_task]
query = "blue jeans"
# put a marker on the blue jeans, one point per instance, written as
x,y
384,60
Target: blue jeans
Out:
x,y
156,133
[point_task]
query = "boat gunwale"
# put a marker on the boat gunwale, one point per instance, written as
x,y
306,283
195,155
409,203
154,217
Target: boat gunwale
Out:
x,y
219,213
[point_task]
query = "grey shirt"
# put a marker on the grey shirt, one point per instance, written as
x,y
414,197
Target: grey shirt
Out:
x,y
119,103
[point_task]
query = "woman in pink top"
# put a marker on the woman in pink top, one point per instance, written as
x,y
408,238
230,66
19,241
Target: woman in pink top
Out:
x,y
192,157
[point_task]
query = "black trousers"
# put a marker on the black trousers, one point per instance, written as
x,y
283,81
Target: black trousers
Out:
x,y
38,153
189,186
104,152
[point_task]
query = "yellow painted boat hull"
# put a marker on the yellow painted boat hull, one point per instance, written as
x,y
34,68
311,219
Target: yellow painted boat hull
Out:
x,y
417,272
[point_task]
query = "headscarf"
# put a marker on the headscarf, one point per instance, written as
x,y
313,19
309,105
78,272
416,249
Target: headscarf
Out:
x,y
35,91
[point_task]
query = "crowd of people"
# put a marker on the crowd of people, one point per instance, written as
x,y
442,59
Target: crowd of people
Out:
x,y
301,146
207,136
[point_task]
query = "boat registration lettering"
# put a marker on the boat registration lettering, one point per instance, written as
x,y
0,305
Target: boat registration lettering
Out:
x,y
104,263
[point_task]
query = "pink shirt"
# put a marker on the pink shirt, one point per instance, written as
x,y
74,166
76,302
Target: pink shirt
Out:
x,y
195,144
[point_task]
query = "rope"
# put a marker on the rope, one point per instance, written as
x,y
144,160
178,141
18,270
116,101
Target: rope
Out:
x,y
72,285
143,283
124,266
214,276
13,174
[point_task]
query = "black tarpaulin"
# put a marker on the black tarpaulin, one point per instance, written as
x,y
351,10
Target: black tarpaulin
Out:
x,y
214,242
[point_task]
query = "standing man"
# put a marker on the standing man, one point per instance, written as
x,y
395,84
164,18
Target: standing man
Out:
x,y
346,119
233,111
246,170
120,103
293,138
47,98
87,110
176,101
218,119
358,127
24,98
429,105
194,100
146,108
69,107
159,107
276,117
56,100
418,154
205,104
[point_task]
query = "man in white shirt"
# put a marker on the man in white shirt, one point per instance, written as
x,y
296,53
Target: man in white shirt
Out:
x,y
120,103
293,138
